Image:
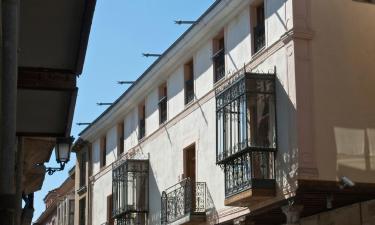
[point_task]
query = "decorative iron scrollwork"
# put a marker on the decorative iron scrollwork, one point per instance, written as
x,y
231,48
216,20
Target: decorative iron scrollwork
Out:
x,y
183,198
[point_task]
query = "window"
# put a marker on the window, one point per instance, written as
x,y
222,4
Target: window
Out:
x,y
120,138
103,151
258,28
219,57
71,212
142,121
110,219
189,81
82,212
163,103
58,215
82,169
246,131
130,191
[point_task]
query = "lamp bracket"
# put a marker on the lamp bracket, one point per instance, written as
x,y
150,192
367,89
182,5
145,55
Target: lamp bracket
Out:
x,y
52,170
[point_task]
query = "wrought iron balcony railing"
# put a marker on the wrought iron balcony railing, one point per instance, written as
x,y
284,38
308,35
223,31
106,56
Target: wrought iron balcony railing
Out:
x,y
246,140
259,37
183,199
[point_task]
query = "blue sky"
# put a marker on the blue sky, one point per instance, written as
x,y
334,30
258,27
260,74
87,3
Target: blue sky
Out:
x,y
121,31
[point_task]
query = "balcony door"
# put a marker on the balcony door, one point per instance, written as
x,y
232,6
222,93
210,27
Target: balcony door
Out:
x,y
189,163
189,172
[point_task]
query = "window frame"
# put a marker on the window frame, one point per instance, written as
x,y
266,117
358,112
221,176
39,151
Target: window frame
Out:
x,y
82,211
120,138
103,151
141,120
258,28
82,169
163,103
71,211
218,57
189,91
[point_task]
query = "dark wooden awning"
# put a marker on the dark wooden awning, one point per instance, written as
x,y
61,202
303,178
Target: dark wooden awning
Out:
x,y
46,101
53,37
312,194
53,41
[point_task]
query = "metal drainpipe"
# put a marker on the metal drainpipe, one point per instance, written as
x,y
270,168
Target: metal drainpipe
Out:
x,y
10,25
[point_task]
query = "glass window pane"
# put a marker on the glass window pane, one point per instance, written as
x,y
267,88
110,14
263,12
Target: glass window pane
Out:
x,y
261,120
263,165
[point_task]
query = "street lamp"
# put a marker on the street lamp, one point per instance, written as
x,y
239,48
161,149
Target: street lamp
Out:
x,y
62,151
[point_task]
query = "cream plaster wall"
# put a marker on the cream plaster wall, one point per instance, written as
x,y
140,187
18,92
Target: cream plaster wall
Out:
x,y
131,128
77,186
197,124
343,79
111,145
152,111
176,95
203,70
237,41
102,188
278,15
165,149
96,156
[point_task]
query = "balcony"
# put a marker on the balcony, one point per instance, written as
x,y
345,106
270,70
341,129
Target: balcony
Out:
x,y
130,191
185,203
246,137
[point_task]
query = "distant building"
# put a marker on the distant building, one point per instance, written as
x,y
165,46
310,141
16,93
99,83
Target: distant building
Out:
x,y
261,113
59,204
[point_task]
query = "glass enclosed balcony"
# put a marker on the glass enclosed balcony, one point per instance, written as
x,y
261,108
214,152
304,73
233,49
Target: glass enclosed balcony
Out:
x,y
130,192
246,132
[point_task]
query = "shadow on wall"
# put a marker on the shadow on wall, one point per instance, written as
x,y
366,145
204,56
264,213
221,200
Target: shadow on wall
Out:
x,y
355,153
286,159
211,213
273,9
154,199
155,203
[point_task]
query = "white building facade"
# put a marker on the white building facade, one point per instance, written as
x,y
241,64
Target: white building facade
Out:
x,y
240,121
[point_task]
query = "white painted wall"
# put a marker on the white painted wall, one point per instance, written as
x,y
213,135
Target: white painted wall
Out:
x,y
111,145
152,111
175,85
96,156
197,124
237,42
102,188
131,129
277,19
203,70
343,71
